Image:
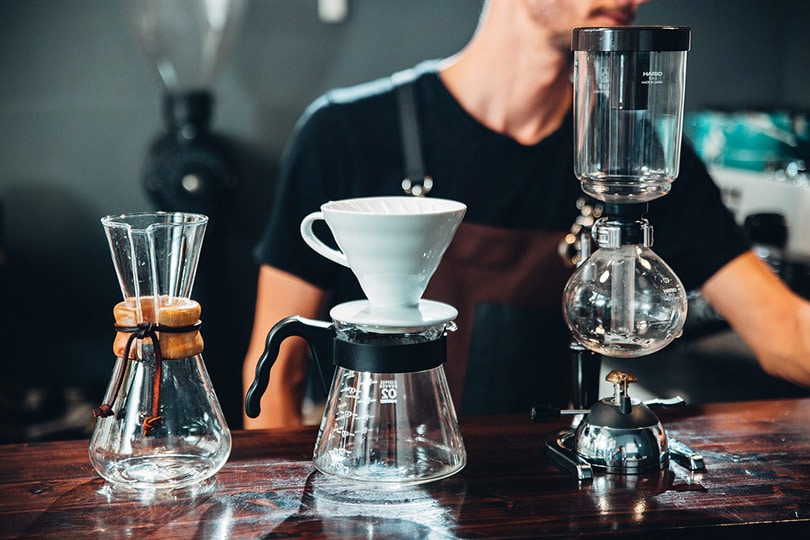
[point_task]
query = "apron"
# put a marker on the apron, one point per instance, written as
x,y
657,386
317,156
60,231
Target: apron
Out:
x,y
511,347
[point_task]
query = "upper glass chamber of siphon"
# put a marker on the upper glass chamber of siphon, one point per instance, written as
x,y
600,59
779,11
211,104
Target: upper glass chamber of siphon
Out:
x,y
628,110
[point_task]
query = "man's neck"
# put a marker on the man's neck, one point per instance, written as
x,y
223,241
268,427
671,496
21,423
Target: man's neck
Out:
x,y
513,87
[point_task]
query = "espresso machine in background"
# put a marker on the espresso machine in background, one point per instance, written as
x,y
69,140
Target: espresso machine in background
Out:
x,y
623,300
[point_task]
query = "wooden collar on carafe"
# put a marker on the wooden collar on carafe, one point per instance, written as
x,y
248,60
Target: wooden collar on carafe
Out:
x,y
174,334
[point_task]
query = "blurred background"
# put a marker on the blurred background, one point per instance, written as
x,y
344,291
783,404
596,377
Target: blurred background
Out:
x,y
81,105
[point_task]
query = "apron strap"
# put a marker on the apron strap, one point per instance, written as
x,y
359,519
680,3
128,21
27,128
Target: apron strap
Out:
x,y
416,182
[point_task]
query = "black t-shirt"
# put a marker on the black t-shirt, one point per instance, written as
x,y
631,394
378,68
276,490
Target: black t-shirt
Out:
x,y
348,144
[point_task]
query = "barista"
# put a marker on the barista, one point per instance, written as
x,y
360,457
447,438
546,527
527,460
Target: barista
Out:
x,y
496,130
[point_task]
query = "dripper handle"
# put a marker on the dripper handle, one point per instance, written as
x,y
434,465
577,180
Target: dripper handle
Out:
x,y
317,244
318,334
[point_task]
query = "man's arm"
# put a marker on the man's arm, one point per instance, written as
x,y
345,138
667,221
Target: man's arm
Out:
x,y
767,315
280,295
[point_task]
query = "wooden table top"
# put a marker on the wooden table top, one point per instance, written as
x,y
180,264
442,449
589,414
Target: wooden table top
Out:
x,y
756,482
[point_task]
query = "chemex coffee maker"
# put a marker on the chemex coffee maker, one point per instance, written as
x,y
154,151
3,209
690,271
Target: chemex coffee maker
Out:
x,y
623,300
389,417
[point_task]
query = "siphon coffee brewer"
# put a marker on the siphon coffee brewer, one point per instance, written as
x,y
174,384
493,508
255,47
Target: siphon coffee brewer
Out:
x,y
623,300
389,417
160,425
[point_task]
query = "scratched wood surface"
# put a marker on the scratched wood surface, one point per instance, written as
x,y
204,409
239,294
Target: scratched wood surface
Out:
x,y
756,485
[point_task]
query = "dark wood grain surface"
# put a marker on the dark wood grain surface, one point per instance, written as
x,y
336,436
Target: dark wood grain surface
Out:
x,y
756,485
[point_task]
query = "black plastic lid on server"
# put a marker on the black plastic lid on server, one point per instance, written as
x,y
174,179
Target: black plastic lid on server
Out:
x,y
631,38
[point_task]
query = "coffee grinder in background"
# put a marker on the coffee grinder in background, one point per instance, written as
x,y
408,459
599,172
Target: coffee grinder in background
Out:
x,y
623,300
188,165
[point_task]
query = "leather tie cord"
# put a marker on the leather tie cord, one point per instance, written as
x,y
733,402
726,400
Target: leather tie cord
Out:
x,y
142,331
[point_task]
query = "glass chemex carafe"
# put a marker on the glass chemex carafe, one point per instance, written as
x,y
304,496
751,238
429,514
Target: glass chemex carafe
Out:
x,y
389,417
160,425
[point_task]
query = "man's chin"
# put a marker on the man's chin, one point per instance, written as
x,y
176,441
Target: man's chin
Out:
x,y
612,18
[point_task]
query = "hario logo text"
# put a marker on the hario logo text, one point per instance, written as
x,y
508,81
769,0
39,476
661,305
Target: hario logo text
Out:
x,y
653,73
